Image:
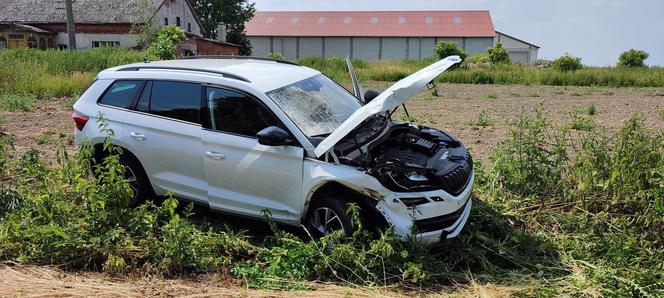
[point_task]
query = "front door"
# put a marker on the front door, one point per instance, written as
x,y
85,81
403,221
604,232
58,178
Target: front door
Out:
x,y
245,177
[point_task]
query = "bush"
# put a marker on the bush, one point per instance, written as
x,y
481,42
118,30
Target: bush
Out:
x,y
479,58
166,41
633,58
498,55
567,62
444,49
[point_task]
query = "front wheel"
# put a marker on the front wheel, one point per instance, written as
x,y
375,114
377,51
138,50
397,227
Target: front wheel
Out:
x,y
328,216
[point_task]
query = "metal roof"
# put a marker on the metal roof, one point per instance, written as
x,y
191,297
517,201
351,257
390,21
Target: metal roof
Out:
x,y
372,23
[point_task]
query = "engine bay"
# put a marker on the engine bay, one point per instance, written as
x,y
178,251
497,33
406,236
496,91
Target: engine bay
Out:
x,y
406,157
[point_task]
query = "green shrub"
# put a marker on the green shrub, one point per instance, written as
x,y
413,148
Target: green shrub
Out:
x,y
582,122
567,63
483,120
479,58
165,42
591,109
444,49
633,58
499,55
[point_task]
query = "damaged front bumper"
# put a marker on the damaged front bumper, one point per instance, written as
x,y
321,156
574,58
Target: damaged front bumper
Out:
x,y
441,217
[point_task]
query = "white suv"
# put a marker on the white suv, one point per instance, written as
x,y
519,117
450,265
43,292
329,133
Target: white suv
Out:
x,y
242,135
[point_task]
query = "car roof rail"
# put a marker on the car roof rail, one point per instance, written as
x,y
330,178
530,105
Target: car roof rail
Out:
x,y
240,58
224,74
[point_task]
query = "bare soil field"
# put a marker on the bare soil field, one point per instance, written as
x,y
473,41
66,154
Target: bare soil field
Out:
x,y
456,110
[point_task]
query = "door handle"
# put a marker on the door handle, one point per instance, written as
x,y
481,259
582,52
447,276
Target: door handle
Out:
x,y
137,135
215,155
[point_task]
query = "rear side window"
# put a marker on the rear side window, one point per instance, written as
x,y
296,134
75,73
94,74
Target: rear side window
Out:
x,y
237,113
121,94
176,100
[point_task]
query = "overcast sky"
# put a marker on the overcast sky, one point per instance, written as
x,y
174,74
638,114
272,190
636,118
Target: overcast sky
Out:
x,y
595,30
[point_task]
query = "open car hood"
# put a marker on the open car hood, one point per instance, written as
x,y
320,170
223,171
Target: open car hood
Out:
x,y
388,100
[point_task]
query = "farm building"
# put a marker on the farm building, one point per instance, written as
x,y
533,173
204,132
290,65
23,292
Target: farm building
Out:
x,y
377,35
101,23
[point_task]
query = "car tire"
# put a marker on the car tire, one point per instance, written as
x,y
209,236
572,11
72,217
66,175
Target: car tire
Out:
x,y
138,181
328,215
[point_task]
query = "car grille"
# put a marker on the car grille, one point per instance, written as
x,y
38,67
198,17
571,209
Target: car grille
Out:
x,y
438,222
454,182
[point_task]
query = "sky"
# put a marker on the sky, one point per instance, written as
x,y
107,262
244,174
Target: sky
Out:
x,y
595,30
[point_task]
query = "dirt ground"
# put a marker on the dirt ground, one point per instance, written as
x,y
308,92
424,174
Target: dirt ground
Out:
x,y
455,109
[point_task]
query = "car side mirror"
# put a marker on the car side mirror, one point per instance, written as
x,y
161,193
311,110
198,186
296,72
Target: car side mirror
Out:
x,y
274,136
370,94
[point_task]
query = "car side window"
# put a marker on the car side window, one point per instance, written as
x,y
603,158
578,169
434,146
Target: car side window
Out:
x,y
143,104
237,113
121,94
176,100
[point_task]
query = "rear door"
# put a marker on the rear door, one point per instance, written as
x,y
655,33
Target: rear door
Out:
x,y
244,176
165,133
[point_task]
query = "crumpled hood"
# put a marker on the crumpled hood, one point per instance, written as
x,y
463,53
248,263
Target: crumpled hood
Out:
x,y
391,98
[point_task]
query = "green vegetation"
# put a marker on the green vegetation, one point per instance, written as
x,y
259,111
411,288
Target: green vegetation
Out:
x,y
633,58
591,109
492,95
233,13
545,221
498,55
444,49
17,102
567,63
50,73
483,119
165,42
276,56
582,122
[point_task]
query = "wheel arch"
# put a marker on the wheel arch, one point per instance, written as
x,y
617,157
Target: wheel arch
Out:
x,y
328,189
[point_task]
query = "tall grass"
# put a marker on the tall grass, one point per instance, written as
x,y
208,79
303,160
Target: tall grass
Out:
x,y
58,73
503,74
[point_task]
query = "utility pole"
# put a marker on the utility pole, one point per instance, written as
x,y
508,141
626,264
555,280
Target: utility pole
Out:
x,y
71,30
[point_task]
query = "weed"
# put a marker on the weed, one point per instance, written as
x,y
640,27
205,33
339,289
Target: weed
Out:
x,y
533,94
483,120
434,92
661,115
582,122
41,139
591,109
492,95
17,102
515,95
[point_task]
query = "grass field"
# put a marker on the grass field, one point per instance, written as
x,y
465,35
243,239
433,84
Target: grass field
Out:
x,y
52,73
560,209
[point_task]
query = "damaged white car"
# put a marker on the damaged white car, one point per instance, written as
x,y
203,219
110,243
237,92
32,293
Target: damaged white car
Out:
x,y
242,135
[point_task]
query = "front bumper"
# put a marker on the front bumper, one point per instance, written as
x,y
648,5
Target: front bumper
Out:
x,y
433,222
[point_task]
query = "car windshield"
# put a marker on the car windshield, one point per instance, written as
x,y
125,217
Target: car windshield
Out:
x,y
317,105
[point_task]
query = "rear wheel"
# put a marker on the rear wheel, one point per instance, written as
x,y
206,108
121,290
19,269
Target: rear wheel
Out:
x,y
137,180
329,215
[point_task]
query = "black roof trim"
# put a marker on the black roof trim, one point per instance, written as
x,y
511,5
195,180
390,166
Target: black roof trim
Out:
x,y
224,74
240,58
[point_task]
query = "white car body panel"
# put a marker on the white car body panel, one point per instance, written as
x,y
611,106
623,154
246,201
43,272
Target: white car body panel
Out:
x,y
251,177
391,98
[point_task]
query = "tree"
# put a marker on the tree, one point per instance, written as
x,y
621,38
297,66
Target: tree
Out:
x,y
498,55
633,58
567,62
233,13
167,39
445,49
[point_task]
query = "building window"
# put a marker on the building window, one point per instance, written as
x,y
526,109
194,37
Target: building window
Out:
x,y
321,20
177,21
402,20
16,36
3,43
269,20
105,44
188,27
32,42
42,43
295,20
456,20
374,20
429,20
347,20
165,21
